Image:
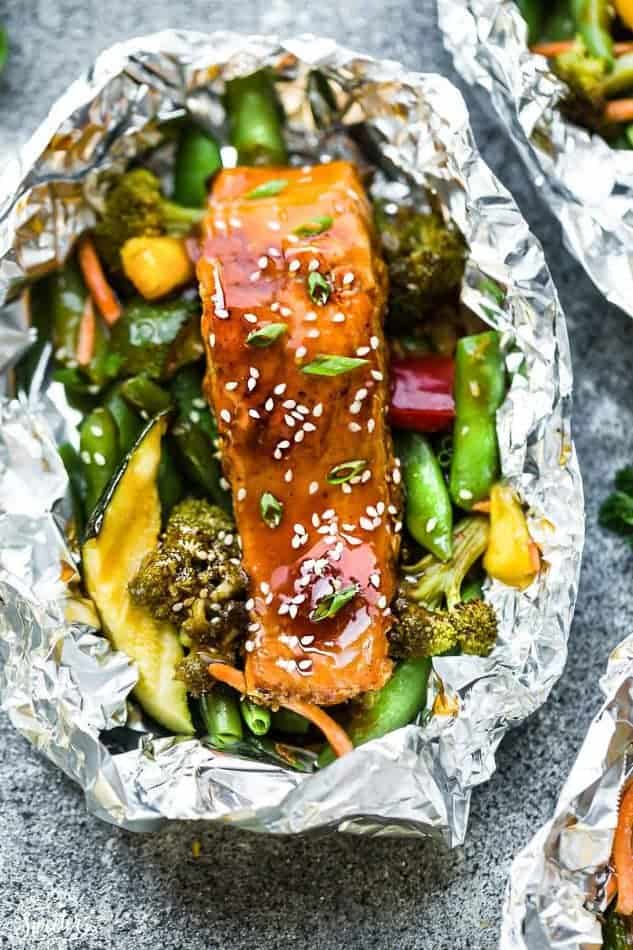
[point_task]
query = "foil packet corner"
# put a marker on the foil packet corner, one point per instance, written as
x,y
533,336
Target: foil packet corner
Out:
x,y
63,687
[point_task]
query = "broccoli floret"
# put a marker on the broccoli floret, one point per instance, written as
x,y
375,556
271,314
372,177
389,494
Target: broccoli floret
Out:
x,y
584,76
136,206
194,578
194,670
426,259
429,616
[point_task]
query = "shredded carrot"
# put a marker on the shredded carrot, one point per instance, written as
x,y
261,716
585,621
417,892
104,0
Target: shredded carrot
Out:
x,y
96,282
619,110
557,47
86,335
335,735
482,506
621,49
535,556
623,854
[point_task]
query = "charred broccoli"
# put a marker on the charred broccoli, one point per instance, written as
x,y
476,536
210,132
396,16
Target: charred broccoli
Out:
x,y
430,619
194,578
425,257
584,76
136,206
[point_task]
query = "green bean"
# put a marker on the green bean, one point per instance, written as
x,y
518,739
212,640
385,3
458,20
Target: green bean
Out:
x,y
220,713
74,470
171,487
560,23
68,297
255,120
428,513
620,79
479,391
99,452
257,718
395,705
532,13
129,422
146,395
198,157
285,720
594,24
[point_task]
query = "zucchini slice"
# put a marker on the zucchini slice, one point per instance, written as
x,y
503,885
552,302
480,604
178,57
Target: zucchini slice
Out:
x,y
122,530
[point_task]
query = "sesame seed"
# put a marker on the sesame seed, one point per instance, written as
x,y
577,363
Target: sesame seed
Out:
x,y
284,608
316,521
212,339
97,430
338,318
328,514
348,278
251,384
313,488
310,315
223,483
306,640
254,277
235,222
313,334
301,352
230,386
346,488
253,371
392,510
288,476
318,410
474,387
289,404
309,427
274,252
199,403
363,351
194,416
294,266
290,421
382,602
465,430
365,523
241,494
299,436
221,313
377,375
262,262
304,665
277,455
313,265
465,494
374,342
355,408
250,603
371,511
365,476
374,580
397,526
268,599
361,394
249,646
225,415
253,413
269,405
284,444
396,476
431,525
250,318
380,507
298,528
296,542
274,226
178,607
286,312
354,427
292,239
303,410
297,415
274,306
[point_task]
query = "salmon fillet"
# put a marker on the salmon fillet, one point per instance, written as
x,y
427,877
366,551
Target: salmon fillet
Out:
x,y
285,432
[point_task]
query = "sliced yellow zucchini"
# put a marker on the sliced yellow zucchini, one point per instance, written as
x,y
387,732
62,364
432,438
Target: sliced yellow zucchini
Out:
x,y
123,529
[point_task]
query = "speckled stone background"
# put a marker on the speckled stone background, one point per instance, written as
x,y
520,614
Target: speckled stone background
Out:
x,y
69,882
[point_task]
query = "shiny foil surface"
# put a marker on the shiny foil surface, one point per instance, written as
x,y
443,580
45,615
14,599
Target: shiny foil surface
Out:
x,y
62,685
587,184
558,882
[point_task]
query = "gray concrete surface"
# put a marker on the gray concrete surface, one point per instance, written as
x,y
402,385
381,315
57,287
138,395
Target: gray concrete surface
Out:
x,y
68,882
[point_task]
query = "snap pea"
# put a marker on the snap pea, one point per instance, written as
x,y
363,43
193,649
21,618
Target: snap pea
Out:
x,y
395,705
146,395
620,79
197,158
428,512
285,720
221,716
532,13
255,120
593,19
195,435
99,453
145,337
74,470
68,296
479,391
257,718
128,421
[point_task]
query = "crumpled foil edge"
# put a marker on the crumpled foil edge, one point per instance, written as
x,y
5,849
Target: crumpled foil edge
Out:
x,y
556,887
62,686
587,184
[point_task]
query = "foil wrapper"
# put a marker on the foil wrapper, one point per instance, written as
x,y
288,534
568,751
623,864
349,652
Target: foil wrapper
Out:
x,y
63,686
557,886
587,184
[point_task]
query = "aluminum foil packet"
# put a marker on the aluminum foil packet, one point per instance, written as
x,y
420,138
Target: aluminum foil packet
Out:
x,y
63,686
558,883
587,184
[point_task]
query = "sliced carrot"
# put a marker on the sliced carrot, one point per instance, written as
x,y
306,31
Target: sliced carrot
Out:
x,y
621,49
87,334
96,282
619,110
335,734
482,506
557,47
623,854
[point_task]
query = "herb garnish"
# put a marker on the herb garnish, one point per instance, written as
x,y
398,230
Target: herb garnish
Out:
x,y
616,512
268,189
266,335
316,226
345,471
271,509
329,364
329,605
319,288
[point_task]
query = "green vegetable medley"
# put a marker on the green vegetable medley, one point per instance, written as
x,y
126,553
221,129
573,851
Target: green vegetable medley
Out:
x,y
152,510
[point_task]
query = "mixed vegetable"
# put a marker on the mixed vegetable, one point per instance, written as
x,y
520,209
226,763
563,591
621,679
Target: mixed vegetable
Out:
x,y
617,931
590,46
168,546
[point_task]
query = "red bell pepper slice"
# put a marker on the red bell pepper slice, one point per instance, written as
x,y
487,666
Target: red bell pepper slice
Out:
x,y
422,393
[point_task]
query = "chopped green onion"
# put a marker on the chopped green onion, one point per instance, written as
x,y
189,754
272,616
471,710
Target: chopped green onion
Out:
x,y
269,189
315,226
327,364
319,288
330,605
265,336
346,470
271,509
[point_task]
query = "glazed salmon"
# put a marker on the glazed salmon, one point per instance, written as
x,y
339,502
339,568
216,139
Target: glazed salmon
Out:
x,y
291,280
